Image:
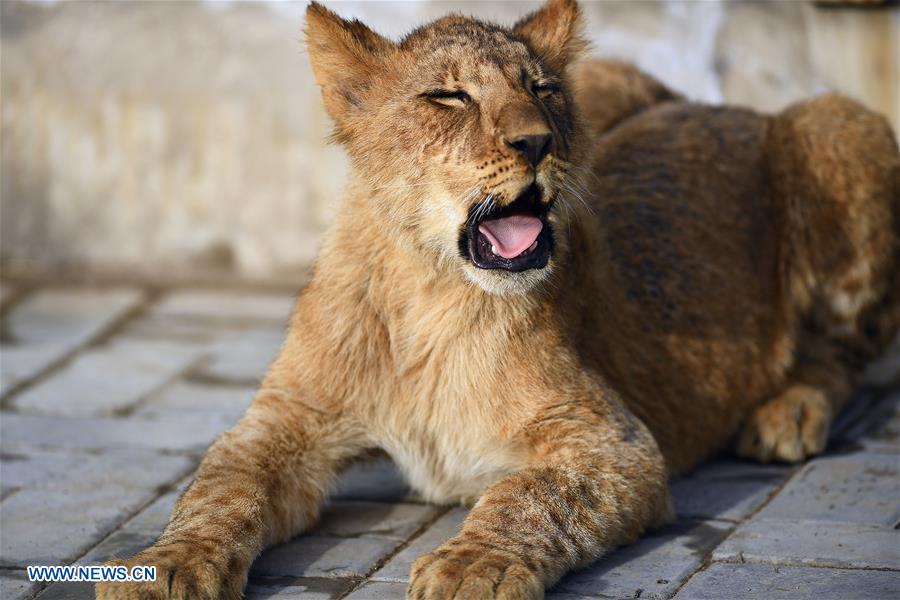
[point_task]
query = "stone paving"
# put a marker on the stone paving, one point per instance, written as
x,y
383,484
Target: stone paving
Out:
x,y
110,395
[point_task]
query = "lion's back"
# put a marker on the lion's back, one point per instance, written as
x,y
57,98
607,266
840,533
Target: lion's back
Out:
x,y
683,202
684,217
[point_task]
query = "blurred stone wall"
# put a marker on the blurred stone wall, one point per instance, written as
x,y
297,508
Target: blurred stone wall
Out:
x,y
173,140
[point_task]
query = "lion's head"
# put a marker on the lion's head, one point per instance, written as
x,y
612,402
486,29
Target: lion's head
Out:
x,y
463,132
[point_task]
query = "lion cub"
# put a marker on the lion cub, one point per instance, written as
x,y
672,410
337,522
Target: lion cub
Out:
x,y
551,285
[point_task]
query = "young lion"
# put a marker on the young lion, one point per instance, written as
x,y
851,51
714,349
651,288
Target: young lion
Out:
x,y
550,287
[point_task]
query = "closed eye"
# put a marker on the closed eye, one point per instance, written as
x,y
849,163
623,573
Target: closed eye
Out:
x,y
455,98
542,89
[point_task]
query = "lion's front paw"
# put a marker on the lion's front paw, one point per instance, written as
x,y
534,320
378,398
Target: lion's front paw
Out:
x,y
471,571
789,427
183,572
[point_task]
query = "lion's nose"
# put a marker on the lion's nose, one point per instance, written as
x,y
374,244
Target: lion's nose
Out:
x,y
533,147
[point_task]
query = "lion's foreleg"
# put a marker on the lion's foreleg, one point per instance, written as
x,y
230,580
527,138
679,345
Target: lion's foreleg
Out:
x,y
261,483
593,486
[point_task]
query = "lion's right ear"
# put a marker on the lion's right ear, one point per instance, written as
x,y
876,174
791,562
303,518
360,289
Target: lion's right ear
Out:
x,y
346,57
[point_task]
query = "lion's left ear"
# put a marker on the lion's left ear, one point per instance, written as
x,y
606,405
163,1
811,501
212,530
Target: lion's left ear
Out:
x,y
554,32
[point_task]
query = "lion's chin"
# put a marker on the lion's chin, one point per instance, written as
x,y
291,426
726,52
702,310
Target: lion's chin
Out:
x,y
500,282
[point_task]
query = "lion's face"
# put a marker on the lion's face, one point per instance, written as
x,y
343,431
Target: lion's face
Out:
x,y
463,132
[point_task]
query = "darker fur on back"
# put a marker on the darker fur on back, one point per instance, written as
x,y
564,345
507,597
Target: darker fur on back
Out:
x,y
734,247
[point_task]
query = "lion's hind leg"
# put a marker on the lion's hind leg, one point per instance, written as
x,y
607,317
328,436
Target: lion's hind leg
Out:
x,y
794,425
835,171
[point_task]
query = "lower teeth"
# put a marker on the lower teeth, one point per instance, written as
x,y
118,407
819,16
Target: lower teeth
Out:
x,y
529,249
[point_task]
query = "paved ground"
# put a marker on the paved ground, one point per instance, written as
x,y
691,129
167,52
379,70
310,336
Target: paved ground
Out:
x,y
109,397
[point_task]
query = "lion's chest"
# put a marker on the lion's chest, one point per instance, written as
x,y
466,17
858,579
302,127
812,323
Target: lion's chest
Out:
x,y
444,418
449,448
446,470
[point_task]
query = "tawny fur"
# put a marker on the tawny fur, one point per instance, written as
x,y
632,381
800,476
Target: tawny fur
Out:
x,y
719,277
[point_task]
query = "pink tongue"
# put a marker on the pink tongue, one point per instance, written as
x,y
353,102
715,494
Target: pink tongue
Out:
x,y
511,235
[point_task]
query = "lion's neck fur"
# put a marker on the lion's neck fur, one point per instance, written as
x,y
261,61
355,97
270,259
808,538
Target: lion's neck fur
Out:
x,y
406,321
391,335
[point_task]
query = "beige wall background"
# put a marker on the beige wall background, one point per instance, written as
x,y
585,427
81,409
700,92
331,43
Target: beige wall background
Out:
x,y
184,140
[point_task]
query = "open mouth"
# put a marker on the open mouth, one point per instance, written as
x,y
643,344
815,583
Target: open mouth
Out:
x,y
514,238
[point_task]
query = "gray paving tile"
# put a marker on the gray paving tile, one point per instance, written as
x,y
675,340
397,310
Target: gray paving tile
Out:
x,y
379,590
49,324
812,543
296,588
120,544
772,582
60,470
156,516
14,585
397,568
379,481
56,521
345,518
654,567
137,533
68,591
109,378
226,305
553,595
885,433
24,362
186,433
850,488
726,489
155,326
235,351
241,357
869,423
316,556
68,317
182,397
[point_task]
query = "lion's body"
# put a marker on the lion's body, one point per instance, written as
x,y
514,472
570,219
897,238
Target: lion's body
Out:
x,y
697,314
704,306
677,300
716,275
680,206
